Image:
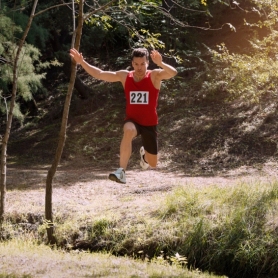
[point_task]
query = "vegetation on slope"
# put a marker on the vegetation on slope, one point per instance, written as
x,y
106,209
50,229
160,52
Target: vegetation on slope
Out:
x,y
218,114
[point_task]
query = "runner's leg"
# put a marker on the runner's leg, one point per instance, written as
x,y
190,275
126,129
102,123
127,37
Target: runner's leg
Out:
x,y
126,144
151,159
149,140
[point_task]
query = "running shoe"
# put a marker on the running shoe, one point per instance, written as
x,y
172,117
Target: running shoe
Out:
x,y
118,176
144,165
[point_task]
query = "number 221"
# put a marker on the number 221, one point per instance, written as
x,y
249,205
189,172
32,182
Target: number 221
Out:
x,y
139,97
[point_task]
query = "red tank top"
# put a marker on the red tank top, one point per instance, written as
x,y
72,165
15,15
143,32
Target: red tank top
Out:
x,y
141,100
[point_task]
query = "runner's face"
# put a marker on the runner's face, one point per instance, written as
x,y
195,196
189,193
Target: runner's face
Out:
x,y
140,65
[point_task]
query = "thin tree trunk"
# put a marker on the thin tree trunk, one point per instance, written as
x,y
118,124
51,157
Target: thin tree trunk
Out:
x,y
83,90
62,135
10,116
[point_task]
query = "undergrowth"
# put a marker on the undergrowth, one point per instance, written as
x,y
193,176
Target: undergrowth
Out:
x,y
228,230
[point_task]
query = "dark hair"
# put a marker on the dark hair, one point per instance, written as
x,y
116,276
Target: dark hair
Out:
x,y
140,52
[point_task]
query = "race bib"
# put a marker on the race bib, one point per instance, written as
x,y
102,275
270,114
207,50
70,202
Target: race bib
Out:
x,y
139,97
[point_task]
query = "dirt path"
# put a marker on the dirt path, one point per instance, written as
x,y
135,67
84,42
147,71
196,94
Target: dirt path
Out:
x,y
89,191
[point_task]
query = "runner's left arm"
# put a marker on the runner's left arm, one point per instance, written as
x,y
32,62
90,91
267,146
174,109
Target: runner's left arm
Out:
x,y
166,71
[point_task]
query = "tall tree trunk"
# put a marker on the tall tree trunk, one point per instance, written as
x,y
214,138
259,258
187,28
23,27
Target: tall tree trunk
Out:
x,y
62,134
83,90
10,115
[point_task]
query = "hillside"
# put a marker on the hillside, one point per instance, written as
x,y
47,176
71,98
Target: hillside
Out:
x,y
212,197
195,135
198,134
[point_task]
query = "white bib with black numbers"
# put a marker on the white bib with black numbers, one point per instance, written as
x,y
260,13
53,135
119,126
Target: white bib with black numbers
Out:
x,y
139,97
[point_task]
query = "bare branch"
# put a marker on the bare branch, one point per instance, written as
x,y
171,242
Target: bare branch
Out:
x,y
56,6
184,8
185,25
73,25
6,105
97,10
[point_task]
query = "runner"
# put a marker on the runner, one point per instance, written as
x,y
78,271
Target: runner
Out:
x,y
141,87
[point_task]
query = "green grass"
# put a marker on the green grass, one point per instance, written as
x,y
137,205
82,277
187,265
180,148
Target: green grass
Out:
x,y
26,259
229,230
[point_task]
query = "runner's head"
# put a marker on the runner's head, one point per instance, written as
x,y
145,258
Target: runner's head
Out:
x,y
140,52
140,61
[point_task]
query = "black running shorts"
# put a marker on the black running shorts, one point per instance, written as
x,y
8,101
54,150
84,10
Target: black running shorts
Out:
x,y
148,135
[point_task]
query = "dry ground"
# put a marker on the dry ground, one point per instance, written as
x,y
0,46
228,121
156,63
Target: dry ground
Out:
x,y
88,190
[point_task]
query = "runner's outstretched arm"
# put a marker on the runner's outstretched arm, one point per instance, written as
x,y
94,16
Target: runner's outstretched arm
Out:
x,y
167,71
110,76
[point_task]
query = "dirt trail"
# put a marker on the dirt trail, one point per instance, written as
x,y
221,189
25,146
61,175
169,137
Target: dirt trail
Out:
x,y
89,191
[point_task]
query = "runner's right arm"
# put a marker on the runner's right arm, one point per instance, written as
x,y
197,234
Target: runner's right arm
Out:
x,y
110,76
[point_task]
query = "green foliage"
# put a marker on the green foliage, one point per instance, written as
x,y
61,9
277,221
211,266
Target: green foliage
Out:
x,y
99,227
147,39
103,37
268,10
251,75
29,78
150,24
240,75
227,230
8,28
16,112
28,74
30,71
37,35
100,20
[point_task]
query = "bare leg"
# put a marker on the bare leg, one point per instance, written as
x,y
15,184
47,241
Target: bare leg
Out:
x,y
126,144
151,159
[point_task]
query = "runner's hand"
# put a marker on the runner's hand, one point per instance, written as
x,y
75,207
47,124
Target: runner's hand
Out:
x,y
77,57
156,57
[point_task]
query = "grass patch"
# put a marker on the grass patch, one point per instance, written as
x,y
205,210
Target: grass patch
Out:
x,y
228,230
26,259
